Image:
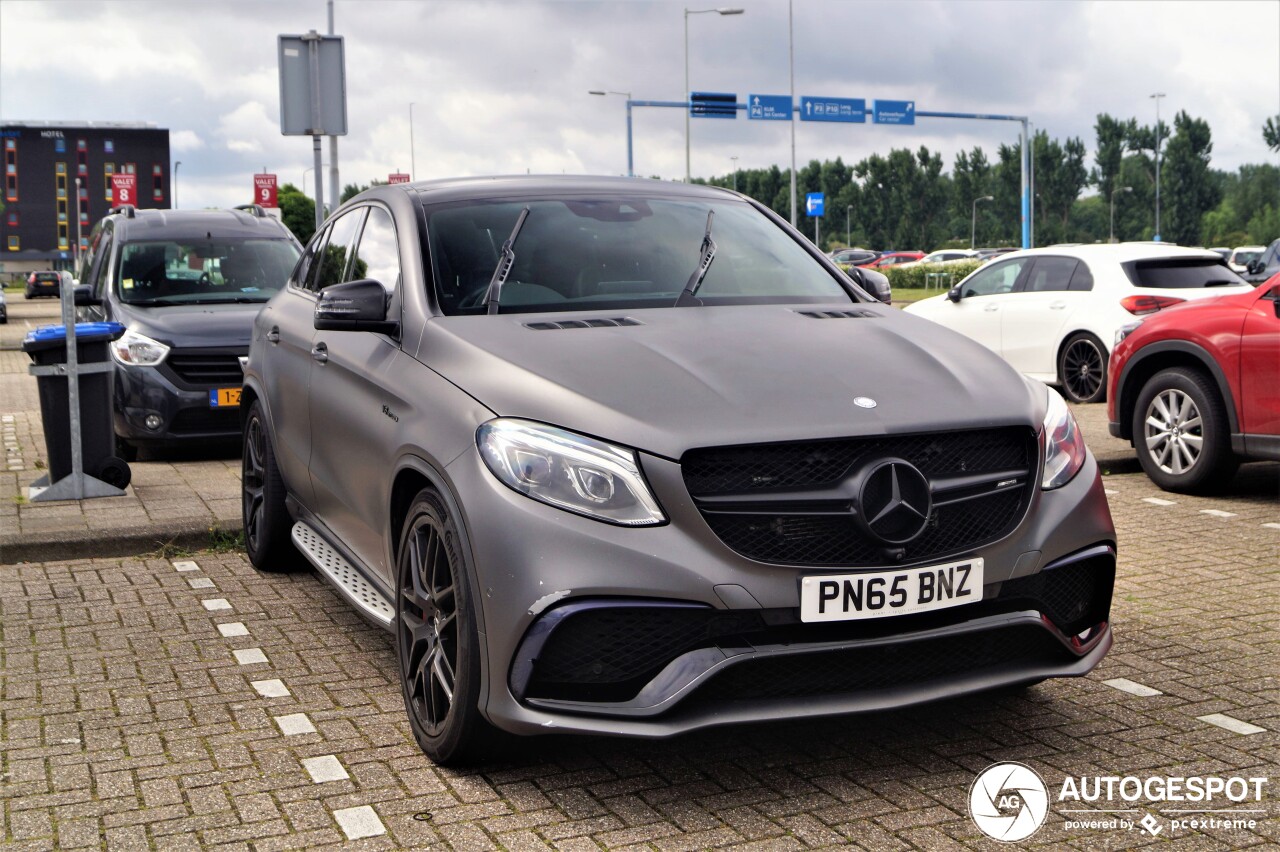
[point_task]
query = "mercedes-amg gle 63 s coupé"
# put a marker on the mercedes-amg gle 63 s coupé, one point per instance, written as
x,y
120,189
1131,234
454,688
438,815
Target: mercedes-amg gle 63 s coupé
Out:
x,y
630,457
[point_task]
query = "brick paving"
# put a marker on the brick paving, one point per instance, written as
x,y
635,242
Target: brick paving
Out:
x,y
127,720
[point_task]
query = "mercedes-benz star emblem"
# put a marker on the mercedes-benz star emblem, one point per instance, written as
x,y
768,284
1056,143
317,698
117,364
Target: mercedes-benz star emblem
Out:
x,y
864,402
895,501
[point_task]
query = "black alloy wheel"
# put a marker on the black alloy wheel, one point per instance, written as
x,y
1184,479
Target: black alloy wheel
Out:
x,y
264,516
1082,369
436,639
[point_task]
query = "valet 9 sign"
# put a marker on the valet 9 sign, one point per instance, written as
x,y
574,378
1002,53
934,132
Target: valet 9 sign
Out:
x,y
264,190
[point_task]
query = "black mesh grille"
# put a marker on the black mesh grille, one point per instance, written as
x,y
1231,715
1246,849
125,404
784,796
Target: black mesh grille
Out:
x,y
880,667
609,654
206,421
796,538
206,369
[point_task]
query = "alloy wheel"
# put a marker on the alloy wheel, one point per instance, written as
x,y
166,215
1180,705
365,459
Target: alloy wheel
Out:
x,y
429,625
1174,431
253,477
1082,369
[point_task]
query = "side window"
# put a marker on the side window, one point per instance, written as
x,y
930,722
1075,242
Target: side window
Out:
x,y
102,248
377,256
306,269
1050,274
337,250
1083,278
999,278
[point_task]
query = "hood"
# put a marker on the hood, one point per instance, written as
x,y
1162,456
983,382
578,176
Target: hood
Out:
x,y
192,325
694,377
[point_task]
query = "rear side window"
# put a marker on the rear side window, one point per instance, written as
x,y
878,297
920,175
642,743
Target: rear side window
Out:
x,y
1051,273
1182,273
1083,278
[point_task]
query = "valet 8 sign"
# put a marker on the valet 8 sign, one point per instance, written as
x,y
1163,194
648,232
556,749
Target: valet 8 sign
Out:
x,y
124,189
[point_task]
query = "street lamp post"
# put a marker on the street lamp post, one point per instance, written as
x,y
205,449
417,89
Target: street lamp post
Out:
x,y
631,172
1156,97
412,161
176,166
735,172
688,169
1112,238
848,217
973,226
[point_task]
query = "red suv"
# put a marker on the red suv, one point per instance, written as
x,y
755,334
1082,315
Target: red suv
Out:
x,y
1195,387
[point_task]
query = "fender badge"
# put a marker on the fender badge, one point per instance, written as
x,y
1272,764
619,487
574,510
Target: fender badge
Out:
x,y
864,402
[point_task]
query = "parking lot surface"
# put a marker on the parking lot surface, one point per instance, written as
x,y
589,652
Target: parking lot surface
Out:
x,y
162,703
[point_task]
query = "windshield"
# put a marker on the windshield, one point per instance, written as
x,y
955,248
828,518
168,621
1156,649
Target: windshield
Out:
x,y
618,253
203,271
1246,257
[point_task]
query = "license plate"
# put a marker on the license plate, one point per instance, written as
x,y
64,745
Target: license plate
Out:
x,y
878,594
224,397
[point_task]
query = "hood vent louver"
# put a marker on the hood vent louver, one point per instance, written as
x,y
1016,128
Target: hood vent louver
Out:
x,y
837,314
594,322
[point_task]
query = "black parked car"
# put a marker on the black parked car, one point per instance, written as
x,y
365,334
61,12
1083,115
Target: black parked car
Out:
x,y
632,457
187,284
46,284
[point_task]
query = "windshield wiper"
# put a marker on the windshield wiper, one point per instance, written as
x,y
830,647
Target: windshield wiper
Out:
x,y
706,254
151,303
493,295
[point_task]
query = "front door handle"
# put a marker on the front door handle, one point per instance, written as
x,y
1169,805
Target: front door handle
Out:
x,y
991,308
273,336
320,353
1057,306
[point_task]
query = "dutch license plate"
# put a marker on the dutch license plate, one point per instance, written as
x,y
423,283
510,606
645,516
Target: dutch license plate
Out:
x,y
224,397
878,594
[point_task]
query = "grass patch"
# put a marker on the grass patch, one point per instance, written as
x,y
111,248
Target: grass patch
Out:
x,y
906,295
222,541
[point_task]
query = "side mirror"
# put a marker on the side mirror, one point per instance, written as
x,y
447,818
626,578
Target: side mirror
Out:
x,y
954,294
84,297
1254,267
354,306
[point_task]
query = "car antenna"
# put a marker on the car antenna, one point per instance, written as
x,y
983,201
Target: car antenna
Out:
x,y
706,254
493,295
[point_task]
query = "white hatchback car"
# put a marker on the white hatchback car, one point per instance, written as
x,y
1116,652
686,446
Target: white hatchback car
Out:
x,y
1053,313
1243,255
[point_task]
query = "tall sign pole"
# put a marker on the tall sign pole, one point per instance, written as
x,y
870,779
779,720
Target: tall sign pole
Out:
x,y
313,95
791,53
333,141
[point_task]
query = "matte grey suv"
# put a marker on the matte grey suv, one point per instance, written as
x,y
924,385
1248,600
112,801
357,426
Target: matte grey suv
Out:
x,y
605,457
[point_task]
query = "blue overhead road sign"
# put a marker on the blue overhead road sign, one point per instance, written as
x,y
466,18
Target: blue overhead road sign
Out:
x,y
713,105
894,112
833,109
813,204
769,107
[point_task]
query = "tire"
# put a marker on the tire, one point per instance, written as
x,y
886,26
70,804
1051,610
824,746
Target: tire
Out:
x,y
1182,434
1082,368
115,471
266,520
437,644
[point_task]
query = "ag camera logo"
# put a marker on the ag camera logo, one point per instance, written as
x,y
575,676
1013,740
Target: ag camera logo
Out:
x,y
1008,802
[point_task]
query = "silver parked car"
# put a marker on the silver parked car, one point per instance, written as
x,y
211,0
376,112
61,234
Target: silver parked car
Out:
x,y
629,457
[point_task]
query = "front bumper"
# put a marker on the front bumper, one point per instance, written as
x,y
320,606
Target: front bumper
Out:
x,y
536,569
184,410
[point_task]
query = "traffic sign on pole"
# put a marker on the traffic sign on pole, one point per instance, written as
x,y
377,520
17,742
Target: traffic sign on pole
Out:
x,y
814,203
397,177
894,112
124,189
852,110
769,107
713,105
264,190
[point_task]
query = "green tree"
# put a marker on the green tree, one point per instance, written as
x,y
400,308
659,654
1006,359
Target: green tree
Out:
x,y
1060,175
1112,141
972,177
297,211
1271,133
1188,189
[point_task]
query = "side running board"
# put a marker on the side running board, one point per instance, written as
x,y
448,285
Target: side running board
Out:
x,y
343,575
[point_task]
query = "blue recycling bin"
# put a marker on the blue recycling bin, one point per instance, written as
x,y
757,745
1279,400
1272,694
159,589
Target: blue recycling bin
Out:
x,y
47,346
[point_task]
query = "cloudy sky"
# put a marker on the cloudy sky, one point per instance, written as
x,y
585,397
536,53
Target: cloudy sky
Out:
x,y
501,87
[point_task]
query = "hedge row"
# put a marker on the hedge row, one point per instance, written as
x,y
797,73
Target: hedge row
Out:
x,y
913,277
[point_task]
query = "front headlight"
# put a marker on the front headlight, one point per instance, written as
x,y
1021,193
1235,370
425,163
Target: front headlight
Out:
x,y
569,471
1063,444
138,350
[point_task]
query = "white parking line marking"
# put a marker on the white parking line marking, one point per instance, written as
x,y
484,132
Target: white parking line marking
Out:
x,y
249,656
186,566
325,768
201,583
213,604
359,822
233,628
1272,526
294,724
1217,513
271,688
1131,687
1230,724
1156,501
